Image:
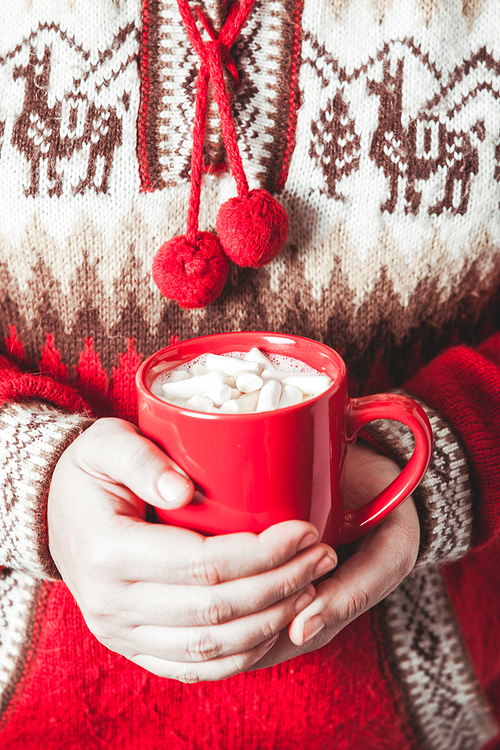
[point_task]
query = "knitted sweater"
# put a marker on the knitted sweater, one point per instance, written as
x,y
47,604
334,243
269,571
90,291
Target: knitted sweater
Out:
x,y
376,124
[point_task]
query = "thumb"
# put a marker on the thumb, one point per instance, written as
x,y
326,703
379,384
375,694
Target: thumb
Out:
x,y
119,452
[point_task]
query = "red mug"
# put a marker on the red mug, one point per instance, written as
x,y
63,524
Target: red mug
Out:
x,y
254,470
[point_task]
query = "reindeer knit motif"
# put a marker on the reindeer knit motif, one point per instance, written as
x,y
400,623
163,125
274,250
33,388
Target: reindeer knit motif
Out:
x,y
376,124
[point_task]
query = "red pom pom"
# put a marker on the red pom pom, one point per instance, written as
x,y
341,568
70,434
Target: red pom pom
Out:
x,y
252,230
194,275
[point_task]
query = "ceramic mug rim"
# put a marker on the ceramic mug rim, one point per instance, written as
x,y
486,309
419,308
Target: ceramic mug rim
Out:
x,y
155,359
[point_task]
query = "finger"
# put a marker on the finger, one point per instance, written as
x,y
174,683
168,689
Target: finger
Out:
x,y
116,451
146,603
162,553
383,559
206,643
217,669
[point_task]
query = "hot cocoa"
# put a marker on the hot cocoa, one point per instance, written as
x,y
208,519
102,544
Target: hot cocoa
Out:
x,y
240,383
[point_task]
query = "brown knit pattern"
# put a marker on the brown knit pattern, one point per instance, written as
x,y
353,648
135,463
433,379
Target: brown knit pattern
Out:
x,y
444,496
400,134
34,435
444,702
382,143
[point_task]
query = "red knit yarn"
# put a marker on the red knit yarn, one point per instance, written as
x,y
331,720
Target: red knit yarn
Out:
x,y
252,230
51,363
75,693
192,269
15,347
192,274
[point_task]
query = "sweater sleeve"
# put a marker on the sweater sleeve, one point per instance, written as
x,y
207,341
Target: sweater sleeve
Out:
x,y
39,418
459,498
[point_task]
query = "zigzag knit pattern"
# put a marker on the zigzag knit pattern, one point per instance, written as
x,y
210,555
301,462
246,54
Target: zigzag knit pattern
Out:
x,y
376,124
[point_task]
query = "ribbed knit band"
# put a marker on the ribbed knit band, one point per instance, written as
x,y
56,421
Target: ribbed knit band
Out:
x,y
32,438
444,496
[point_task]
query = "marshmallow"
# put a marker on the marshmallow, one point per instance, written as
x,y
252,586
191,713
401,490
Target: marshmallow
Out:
x,y
177,375
278,375
269,396
230,407
219,394
240,386
243,405
199,403
192,387
226,379
290,397
231,365
247,381
309,384
199,369
255,355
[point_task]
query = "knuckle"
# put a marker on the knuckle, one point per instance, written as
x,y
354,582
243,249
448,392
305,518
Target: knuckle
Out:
x,y
268,629
142,457
409,547
102,429
104,629
97,609
99,556
357,602
287,587
189,674
237,665
206,572
404,554
103,614
273,559
403,568
218,610
203,646
228,667
102,555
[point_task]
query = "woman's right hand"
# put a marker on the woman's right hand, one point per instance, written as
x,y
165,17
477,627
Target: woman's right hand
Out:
x,y
179,604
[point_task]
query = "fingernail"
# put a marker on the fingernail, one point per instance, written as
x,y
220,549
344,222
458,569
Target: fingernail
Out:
x,y
306,541
172,486
312,627
326,564
302,602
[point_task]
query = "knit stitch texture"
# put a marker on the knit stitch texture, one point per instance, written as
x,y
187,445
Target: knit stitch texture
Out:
x,y
375,124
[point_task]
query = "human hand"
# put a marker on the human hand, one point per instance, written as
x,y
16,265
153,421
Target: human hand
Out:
x,y
179,604
373,567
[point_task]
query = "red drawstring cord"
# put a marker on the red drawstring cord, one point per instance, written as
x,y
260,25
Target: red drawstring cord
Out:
x,y
197,154
211,54
253,227
228,60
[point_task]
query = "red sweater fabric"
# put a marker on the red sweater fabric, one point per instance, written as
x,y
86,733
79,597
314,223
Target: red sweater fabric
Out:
x,y
78,694
374,124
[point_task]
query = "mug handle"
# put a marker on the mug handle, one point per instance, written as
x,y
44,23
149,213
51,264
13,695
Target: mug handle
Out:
x,y
360,411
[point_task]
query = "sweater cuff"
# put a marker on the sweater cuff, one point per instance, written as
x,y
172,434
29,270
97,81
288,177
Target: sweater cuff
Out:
x,y
444,496
33,436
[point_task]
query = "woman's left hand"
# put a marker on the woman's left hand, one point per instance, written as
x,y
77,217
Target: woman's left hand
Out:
x,y
374,566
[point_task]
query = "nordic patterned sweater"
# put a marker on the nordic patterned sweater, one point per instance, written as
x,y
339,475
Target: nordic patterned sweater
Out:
x,y
376,124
